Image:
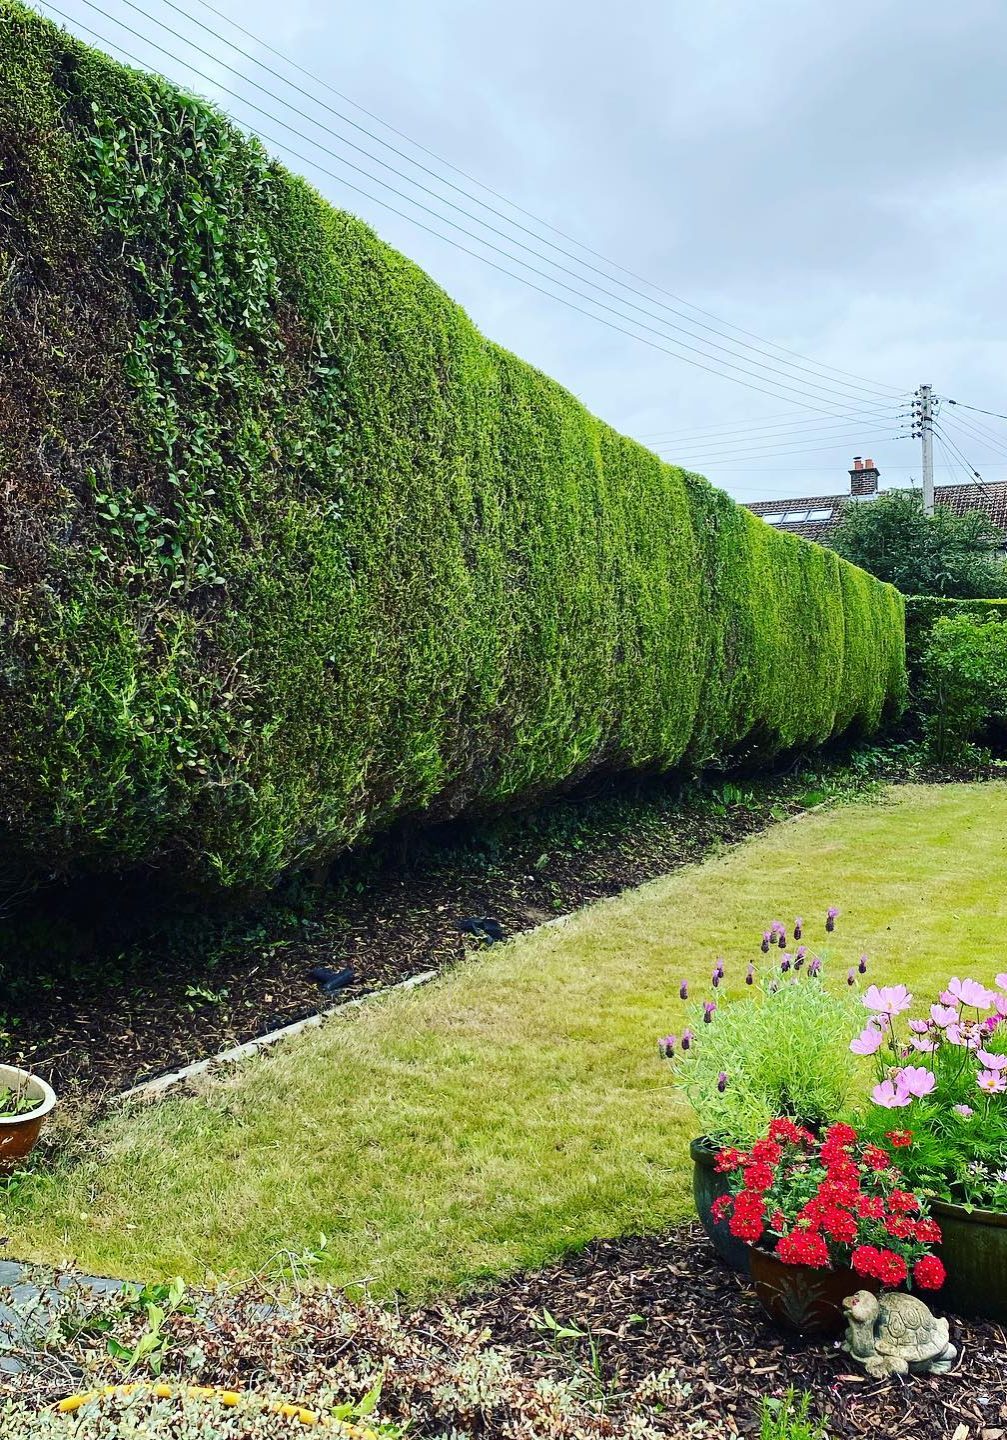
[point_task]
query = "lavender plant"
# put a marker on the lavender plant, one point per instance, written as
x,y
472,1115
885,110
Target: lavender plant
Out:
x,y
780,1051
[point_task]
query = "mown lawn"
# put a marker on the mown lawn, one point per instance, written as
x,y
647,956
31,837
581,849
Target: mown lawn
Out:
x,y
517,1107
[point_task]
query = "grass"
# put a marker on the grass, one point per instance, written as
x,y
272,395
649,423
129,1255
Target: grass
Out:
x,y
516,1108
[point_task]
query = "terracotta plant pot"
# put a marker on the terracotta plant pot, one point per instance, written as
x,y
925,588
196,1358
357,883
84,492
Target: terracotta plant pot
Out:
x,y
974,1251
803,1300
706,1186
19,1132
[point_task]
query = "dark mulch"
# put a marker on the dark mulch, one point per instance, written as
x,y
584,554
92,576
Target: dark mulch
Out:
x,y
667,1303
126,1009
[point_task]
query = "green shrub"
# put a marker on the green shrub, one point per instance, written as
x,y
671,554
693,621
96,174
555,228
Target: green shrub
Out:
x,y
923,612
963,682
290,551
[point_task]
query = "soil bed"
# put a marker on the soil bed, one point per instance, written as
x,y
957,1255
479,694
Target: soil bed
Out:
x,y
109,985
110,994
654,1304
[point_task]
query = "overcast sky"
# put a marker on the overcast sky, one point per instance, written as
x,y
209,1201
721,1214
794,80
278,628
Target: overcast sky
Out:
x,y
831,179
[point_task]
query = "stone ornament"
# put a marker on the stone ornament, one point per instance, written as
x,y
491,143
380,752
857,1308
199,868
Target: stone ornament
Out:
x,y
893,1334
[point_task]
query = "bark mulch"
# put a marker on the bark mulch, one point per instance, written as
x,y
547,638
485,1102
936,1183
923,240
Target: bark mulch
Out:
x,y
141,994
653,1304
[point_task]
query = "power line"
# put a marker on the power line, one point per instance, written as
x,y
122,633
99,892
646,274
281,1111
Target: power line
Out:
x,y
995,413
871,390
715,436
798,447
872,385
444,219
978,432
974,477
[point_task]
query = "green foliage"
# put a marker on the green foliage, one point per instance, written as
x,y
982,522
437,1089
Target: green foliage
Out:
x,y
789,1418
291,550
923,611
784,1051
939,554
963,683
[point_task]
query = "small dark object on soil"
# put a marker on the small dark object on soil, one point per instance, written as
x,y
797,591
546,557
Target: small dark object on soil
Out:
x,y
331,980
483,927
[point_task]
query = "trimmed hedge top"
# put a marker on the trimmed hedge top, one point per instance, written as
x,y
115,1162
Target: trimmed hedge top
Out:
x,y
289,550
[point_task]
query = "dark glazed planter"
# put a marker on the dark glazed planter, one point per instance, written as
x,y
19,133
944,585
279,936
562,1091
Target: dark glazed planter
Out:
x,y
803,1300
974,1251
706,1186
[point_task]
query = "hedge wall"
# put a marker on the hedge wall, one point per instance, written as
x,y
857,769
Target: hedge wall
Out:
x,y
289,550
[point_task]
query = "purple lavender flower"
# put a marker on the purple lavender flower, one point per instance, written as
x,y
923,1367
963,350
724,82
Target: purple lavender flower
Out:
x,y
715,979
814,965
722,1081
683,990
781,939
750,975
798,928
708,1008
862,965
785,964
766,941
851,976
831,916
720,968
687,1038
666,1047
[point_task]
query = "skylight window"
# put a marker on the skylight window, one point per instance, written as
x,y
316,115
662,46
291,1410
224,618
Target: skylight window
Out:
x,y
820,515
773,519
793,516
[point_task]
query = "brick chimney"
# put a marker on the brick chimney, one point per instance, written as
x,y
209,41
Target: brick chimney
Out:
x,y
863,477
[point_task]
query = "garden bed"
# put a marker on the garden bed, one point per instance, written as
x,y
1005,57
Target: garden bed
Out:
x,y
117,988
655,1304
670,1344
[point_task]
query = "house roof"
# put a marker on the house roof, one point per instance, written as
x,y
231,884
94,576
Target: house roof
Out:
x,y
815,516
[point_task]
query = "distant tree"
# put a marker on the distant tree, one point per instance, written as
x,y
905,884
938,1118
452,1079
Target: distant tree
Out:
x,y
938,554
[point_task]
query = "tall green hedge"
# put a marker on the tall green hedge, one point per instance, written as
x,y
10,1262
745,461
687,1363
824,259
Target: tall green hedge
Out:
x,y
289,550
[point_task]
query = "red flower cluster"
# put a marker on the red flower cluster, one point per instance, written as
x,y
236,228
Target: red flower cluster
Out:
x,y
826,1203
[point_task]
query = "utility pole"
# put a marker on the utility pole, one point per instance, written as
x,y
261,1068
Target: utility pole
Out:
x,y
923,427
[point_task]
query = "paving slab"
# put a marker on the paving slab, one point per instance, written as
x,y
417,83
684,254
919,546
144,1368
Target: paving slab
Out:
x,y
27,1306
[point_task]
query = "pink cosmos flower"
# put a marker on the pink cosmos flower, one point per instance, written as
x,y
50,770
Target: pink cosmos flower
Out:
x,y
923,1044
968,1035
890,1096
943,1015
994,1082
920,1027
917,1080
991,1061
869,1041
971,993
1000,1003
1002,981
965,1111
889,1000
946,998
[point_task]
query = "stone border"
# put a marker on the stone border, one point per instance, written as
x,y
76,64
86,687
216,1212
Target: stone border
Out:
x,y
151,1088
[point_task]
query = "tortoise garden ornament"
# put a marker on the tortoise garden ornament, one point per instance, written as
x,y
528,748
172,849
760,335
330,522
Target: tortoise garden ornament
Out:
x,y
895,1333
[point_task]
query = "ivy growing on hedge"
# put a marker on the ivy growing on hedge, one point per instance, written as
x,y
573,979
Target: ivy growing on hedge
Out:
x,y
288,550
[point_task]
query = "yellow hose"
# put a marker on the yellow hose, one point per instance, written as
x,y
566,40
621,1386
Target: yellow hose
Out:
x,y
225,1397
